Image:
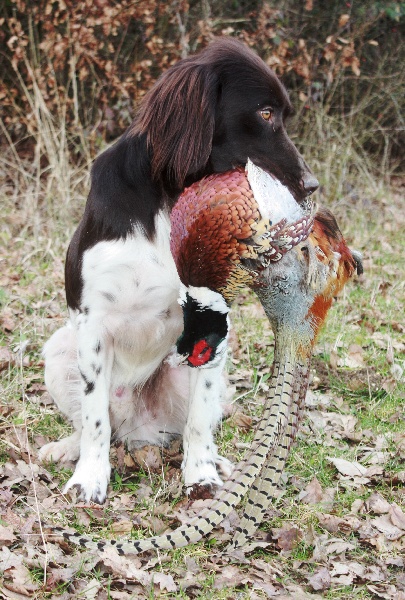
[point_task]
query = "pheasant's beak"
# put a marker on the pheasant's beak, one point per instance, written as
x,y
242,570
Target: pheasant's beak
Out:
x,y
201,354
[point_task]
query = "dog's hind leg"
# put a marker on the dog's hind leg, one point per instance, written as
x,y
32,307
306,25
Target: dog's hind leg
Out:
x,y
62,380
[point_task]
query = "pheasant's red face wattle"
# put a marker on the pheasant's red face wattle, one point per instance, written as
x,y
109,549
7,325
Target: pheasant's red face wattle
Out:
x,y
201,354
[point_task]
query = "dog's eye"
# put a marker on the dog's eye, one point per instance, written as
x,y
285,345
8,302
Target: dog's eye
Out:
x,y
267,113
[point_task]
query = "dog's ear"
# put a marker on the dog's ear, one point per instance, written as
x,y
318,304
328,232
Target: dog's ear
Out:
x,y
178,116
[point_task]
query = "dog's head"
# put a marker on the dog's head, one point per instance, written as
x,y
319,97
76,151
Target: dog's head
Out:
x,y
211,112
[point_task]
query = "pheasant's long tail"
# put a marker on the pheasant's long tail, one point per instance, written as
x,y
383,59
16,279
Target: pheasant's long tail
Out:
x,y
266,482
267,435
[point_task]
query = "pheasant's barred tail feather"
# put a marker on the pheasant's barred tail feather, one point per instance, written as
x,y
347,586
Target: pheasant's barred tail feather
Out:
x,y
266,482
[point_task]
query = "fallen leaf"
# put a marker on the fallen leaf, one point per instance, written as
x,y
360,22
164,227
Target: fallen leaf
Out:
x,y
124,526
7,536
353,359
352,567
312,493
7,321
388,592
18,579
9,559
148,456
91,590
377,504
374,573
329,522
395,561
397,516
348,468
6,358
320,580
384,524
123,566
165,582
287,537
239,419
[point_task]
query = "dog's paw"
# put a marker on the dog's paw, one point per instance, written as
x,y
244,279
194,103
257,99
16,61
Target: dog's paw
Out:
x,y
224,465
65,450
200,472
201,492
91,479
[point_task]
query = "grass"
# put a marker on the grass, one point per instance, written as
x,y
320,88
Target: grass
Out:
x,y
40,209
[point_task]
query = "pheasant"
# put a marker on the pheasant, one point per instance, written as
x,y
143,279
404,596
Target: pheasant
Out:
x,y
222,238
263,240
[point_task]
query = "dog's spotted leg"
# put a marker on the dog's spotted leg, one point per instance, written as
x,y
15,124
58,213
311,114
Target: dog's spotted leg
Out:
x,y
200,452
95,360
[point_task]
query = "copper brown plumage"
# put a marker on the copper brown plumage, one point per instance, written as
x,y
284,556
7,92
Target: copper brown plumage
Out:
x,y
217,226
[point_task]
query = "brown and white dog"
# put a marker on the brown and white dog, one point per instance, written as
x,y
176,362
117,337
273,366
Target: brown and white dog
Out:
x,y
107,368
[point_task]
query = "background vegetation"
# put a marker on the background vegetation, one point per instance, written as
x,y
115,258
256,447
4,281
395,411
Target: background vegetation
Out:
x,y
71,76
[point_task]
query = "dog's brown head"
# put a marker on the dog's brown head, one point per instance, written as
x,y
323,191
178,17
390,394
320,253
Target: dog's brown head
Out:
x,y
211,112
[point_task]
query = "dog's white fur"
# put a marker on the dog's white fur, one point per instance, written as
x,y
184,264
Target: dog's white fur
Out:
x,y
120,344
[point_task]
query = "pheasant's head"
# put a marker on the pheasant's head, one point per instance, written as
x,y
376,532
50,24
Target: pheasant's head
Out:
x,y
206,326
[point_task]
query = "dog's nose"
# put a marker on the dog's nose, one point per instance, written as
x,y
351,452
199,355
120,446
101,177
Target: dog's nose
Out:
x,y
309,183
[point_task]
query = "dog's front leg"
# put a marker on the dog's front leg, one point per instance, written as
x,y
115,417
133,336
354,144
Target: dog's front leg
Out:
x,y
200,452
95,360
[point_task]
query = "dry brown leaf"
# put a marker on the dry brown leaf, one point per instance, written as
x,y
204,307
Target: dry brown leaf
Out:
x,y
239,419
124,526
91,590
229,575
353,568
395,561
377,504
333,524
18,579
329,522
354,357
337,546
123,566
7,536
388,592
287,537
348,468
397,516
148,456
384,524
6,358
165,582
129,461
9,559
320,580
313,492
7,322
374,573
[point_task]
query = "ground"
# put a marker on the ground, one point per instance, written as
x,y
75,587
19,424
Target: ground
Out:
x,y
336,528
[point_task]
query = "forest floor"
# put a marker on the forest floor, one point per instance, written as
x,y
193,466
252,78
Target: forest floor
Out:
x,y
336,528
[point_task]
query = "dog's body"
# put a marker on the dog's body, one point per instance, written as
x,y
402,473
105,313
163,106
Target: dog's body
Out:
x,y
107,369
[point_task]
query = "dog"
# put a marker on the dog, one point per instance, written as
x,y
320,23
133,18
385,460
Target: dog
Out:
x,y
108,369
